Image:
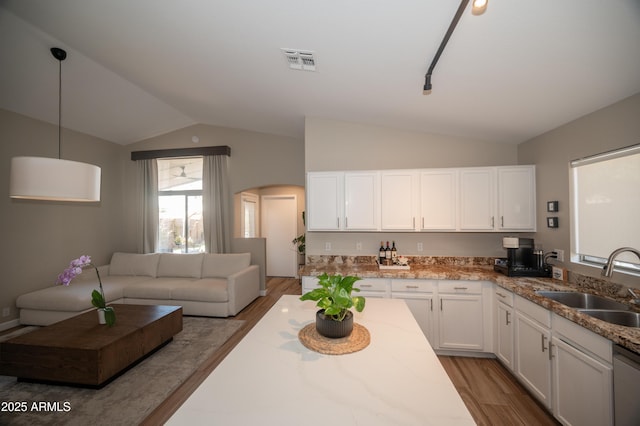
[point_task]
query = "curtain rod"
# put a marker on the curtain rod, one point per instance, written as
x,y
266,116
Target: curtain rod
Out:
x,y
181,152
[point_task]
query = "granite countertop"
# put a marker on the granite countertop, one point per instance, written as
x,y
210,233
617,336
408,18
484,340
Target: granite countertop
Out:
x,y
628,337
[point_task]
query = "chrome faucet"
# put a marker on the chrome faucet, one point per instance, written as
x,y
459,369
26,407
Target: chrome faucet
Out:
x,y
636,299
607,270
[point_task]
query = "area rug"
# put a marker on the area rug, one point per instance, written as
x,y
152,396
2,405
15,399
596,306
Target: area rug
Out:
x,y
128,399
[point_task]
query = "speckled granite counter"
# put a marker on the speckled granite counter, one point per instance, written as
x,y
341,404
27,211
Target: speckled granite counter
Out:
x,y
481,270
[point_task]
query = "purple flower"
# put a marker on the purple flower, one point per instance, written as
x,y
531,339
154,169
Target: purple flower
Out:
x,y
75,269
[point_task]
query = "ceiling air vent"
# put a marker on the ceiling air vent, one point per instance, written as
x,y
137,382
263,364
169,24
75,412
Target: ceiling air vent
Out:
x,y
300,59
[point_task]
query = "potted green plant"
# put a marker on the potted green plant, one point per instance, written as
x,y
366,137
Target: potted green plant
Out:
x,y
333,297
300,243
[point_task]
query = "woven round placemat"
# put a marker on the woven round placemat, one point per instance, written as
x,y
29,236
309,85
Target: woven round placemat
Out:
x,y
356,341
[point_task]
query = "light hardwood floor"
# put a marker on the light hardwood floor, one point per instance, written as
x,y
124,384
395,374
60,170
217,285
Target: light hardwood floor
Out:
x,y
491,393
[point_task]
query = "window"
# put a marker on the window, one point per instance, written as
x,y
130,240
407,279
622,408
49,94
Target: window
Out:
x,y
180,205
606,202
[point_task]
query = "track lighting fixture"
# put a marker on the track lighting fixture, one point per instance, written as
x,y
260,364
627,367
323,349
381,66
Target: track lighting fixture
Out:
x,y
478,8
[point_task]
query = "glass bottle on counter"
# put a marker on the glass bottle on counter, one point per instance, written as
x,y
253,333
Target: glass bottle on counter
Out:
x,y
381,254
394,252
387,252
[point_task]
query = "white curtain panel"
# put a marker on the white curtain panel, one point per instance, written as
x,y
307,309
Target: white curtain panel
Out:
x,y
148,196
215,200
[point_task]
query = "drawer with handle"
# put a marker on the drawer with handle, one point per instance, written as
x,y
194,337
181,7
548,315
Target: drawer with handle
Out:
x,y
460,287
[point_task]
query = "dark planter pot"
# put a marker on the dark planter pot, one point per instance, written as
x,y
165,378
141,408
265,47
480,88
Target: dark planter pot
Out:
x,y
327,327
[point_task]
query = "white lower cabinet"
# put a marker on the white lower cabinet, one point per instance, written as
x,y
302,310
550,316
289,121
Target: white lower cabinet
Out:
x,y
532,349
504,328
419,295
460,322
565,366
582,375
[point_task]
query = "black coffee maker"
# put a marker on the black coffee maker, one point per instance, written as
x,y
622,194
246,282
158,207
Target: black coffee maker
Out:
x,y
522,259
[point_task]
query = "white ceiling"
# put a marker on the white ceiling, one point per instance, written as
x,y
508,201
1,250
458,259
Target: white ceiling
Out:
x,y
140,68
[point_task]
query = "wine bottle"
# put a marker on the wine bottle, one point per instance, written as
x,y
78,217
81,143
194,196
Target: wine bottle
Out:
x,y
394,251
387,251
381,254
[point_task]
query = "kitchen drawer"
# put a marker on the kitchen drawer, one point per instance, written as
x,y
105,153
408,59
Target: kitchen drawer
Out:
x,y
372,284
460,287
504,296
533,311
413,286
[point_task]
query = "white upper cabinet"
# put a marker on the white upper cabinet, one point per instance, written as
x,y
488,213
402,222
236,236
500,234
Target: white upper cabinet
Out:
x,y
517,198
399,195
362,201
477,199
472,199
325,201
438,199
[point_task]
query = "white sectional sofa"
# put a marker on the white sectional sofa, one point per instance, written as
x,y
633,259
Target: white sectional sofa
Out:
x,y
204,284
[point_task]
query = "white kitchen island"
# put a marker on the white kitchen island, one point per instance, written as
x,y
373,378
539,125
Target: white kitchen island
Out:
x,y
270,378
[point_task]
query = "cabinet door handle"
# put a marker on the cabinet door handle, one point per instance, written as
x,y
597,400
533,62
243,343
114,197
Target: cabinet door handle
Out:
x,y
411,286
337,222
366,285
440,304
492,221
346,222
502,221
423,222
500,294
544,348
551,345
414,222
460,288
507,317
431,305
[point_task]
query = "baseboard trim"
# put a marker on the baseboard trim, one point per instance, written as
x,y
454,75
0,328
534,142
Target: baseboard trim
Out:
x,y
9,324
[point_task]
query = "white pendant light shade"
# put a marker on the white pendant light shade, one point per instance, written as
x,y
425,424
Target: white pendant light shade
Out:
x,y
42,178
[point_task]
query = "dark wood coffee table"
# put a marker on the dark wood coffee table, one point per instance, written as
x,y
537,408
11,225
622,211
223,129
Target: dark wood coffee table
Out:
x,y
81,351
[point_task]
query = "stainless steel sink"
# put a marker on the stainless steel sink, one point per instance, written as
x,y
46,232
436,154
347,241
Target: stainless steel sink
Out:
x,y
626,318
583,300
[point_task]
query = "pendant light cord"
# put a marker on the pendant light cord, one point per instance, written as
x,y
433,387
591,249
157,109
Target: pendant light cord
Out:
x,y
60,110
60,55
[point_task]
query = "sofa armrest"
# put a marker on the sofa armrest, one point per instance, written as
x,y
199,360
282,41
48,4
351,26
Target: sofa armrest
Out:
x,y
243,288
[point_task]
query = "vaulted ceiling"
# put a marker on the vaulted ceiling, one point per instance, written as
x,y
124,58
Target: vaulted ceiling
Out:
x,y
140,68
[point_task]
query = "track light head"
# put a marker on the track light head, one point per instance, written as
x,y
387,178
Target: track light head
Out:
x,y
478,7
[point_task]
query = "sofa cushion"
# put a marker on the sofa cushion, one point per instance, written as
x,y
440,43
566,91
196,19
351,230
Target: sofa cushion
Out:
x,y
219,265
76,296
204,290
186,265
134,264
159,288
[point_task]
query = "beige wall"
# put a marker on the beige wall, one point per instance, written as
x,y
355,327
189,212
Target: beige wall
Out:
x,y
336,145
40,237
257,160
610,128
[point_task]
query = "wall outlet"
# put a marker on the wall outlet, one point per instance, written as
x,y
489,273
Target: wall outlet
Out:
x,y
327,246
559,255
6,311
558,273
359,246
420,247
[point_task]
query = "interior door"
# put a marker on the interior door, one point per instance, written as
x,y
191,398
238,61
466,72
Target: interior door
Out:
x,y
279,221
